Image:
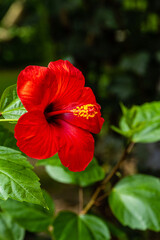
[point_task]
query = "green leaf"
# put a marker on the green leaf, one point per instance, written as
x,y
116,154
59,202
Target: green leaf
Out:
x,y
9,230
68,225
17,180
141,123
7,139
135,201
10,105
58,172
32,217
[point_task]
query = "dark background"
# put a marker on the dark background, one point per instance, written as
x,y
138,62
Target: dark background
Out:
x,y
115,43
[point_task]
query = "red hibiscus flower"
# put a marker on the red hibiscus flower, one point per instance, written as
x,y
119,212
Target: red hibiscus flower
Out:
x,y
61,116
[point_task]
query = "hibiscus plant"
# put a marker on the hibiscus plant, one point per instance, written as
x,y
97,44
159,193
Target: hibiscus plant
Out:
x,y
55,118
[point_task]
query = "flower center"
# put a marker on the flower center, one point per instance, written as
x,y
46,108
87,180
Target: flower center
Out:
x,y
87,111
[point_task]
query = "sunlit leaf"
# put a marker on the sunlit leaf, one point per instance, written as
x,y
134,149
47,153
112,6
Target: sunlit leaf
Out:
x,y
141,123
135,201
17,179
10,104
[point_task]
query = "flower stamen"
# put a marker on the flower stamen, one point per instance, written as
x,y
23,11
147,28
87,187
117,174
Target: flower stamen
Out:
x,y
86,111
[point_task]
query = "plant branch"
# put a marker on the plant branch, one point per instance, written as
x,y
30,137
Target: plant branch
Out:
x,y
13,14
50,231
106,194
92,201
10,19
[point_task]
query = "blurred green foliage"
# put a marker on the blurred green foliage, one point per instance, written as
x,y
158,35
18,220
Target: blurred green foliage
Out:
x,y
115,43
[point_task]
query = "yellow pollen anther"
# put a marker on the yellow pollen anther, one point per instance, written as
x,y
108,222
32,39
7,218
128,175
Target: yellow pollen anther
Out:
x,y
86,111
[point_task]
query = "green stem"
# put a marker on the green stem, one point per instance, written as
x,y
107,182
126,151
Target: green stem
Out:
x,y
108,178
50,232
8,120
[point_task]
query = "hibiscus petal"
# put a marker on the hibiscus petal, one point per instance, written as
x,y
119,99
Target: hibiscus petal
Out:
x,y
70,82
92,124
35,136
35,86
78,147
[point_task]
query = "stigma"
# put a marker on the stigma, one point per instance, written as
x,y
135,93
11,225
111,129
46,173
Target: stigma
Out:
x,y
87,111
